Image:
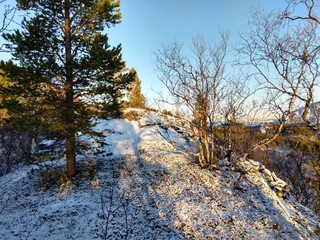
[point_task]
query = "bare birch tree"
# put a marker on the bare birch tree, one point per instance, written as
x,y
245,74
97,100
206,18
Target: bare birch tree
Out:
x,y
235,110
194,79
309,14
283,56
312,81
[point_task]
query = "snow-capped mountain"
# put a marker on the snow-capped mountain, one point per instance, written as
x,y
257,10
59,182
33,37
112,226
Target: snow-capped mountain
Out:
x,y
296,115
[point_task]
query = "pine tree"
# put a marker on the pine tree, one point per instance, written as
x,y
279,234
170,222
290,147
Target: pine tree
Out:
x,y
135,97
62,59
4,83
114,104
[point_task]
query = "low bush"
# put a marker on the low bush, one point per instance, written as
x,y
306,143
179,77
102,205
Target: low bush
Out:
x,y
15,149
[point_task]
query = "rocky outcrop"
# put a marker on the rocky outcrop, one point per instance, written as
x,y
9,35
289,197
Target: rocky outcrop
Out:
x,y
275,183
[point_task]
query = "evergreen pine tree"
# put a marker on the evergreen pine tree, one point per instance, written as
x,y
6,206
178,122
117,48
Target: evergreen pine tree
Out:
x,y
4,83
62,59
114,104
135,97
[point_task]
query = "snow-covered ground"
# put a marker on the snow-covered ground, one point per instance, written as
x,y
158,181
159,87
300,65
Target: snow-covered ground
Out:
x,y
148,190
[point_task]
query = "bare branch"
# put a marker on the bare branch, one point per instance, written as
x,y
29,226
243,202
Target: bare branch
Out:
x,y
8,16
283,54
309,56
194,80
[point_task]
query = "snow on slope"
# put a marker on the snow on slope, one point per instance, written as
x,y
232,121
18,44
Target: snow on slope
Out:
x,y
148,190
296,116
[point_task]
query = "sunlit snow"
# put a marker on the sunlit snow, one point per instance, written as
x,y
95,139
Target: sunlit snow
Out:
x,y
146,189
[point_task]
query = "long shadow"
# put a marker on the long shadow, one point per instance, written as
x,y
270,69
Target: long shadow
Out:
x,y
258,208
250,213
140,212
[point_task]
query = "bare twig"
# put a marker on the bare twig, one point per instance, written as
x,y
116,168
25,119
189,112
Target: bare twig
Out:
x,y
195,81
114,203
8,16
283,55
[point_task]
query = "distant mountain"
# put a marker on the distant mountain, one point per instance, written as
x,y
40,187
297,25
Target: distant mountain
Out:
x,y
296,115
146,189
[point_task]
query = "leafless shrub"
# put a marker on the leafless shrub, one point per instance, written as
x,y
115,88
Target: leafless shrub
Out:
x,y
195,81
15,150
113,202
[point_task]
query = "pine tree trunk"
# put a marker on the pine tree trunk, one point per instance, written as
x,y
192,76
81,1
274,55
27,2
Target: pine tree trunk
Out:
x,y
70,156
69,93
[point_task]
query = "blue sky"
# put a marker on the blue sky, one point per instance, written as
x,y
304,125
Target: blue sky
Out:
x,y
146,24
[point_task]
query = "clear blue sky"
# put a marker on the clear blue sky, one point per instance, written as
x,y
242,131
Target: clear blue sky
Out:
x,y
146,24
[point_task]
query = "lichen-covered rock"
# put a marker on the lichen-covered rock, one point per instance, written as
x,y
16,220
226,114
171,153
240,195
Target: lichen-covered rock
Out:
x,y
268,175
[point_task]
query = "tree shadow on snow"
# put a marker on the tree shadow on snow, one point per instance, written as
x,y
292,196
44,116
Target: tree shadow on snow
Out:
x,y
131,207
254,210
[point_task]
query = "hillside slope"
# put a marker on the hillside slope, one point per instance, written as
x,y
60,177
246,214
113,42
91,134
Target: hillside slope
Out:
x,y
296,116
148,190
